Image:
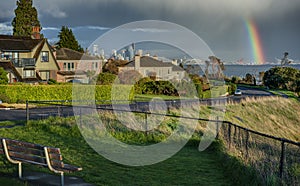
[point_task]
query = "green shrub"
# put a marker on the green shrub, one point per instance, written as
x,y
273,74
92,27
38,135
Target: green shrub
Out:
x,y
4,98
20,93
3,76
199,90
106,78
282,78
231,88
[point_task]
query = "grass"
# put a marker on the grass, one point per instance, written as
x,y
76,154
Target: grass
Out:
x,y
148,97
271,115
187,167
12,182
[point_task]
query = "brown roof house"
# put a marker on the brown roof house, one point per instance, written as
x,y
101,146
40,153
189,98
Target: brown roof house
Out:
x,y
27,59
148,66
74,66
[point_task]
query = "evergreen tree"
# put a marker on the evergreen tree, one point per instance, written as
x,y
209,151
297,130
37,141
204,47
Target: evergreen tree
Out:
x,y
26,18
68,40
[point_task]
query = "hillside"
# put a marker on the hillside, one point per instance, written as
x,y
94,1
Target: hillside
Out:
x,y
272,115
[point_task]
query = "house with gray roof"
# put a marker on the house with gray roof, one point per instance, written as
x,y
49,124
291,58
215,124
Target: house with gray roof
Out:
x,y
148,66
74,65
27,59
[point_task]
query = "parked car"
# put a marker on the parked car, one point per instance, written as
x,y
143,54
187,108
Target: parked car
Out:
x,y
238,92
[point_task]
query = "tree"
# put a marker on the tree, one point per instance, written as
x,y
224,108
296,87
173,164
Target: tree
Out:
x,y
26,18
249,78
282,78
91,75
106,78
68,40
285,60
129,77
3,76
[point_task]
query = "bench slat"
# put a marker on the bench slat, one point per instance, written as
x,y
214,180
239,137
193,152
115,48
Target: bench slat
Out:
x,y
37,159
24,144
53,150
57,157
56,163
69,168
26,150
30,162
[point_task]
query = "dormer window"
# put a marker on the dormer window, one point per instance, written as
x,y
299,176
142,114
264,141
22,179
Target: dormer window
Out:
x,y
45,56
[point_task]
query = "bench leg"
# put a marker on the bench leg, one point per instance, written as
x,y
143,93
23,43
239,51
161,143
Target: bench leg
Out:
x,y
20,170
62,179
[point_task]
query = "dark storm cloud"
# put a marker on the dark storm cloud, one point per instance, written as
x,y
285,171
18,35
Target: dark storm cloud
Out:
x,y
221,23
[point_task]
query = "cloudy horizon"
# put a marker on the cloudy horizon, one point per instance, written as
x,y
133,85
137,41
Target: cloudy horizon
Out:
x,y
220,23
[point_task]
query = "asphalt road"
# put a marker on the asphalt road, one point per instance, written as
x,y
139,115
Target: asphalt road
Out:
x,y
250,92
11,115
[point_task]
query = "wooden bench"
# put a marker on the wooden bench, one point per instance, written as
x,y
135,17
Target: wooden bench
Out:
x,y
18,152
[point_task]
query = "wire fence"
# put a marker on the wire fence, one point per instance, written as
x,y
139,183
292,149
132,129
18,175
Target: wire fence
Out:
x,y
277,160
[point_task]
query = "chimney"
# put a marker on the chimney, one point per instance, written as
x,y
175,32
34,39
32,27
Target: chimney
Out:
x,y
140,53
137,62
36,32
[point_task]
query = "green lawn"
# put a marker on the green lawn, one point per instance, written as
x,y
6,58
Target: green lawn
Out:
x,y
188,167
148,97
11,181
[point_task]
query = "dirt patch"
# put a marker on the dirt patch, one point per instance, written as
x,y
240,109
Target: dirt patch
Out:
x,y
15,106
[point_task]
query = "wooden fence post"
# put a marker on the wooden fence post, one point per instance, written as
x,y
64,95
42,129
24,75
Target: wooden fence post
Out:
x,y
282,159
146,123
247,144
218,128
229,136
27,111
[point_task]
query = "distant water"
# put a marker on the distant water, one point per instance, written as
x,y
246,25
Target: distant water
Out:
x,y
242,70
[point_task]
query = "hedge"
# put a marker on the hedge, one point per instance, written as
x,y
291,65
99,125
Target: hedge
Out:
x,y
21,93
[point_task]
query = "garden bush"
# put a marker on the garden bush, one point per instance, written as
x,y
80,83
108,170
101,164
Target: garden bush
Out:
x,y
20,93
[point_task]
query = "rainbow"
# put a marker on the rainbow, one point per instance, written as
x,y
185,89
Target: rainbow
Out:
x,y
256,45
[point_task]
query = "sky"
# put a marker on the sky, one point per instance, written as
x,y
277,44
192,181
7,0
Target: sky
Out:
x,y
220,23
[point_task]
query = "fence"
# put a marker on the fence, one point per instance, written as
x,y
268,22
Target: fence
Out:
x,y
277,160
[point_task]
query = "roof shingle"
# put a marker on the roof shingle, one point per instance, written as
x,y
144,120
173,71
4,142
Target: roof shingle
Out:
x,y
68,54
17,43
146,61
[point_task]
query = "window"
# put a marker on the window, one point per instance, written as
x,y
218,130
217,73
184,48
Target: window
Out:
x,y
69,67
95,65
7,55
28,73
45,56
16,55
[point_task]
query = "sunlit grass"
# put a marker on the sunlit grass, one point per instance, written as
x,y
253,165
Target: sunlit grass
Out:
x,y
272,115
187,167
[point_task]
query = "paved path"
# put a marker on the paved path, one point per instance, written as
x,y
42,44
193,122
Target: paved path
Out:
x,y
13,115
39,178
